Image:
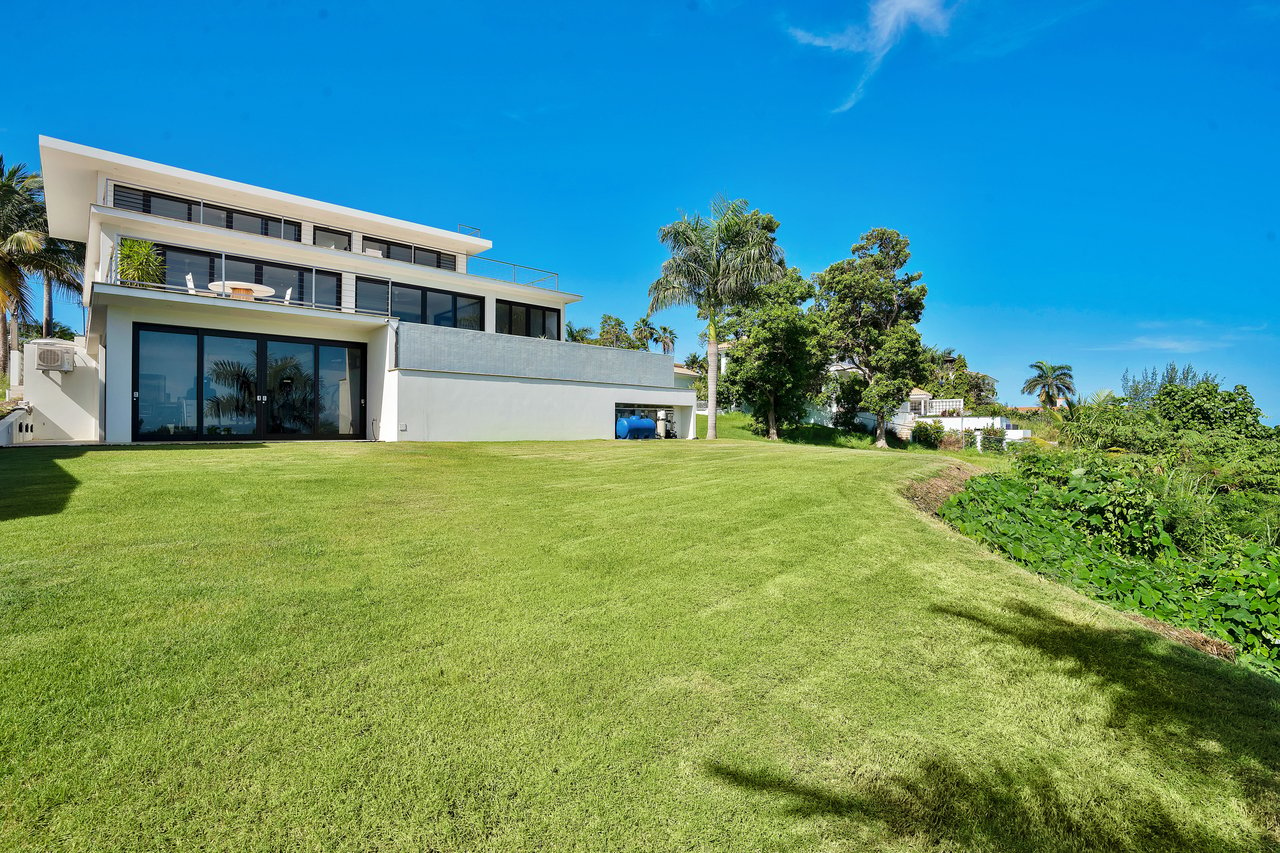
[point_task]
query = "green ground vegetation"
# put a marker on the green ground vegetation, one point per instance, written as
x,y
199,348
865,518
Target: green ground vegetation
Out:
x,y
676,645
1167,505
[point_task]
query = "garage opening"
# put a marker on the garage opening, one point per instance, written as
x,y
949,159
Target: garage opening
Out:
x,y
642,421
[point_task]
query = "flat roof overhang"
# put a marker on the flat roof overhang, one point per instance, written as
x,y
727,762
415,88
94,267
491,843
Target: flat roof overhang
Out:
x,y
71,173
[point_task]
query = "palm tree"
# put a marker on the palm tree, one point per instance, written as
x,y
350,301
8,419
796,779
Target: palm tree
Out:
x,y
26,249
60,263
578,334
666,338
715,263
1050,382
643,332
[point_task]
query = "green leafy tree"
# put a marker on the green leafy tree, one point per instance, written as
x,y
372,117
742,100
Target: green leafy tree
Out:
x,y
1205,406
613,333
1140,389
578,334
643,333
870,307
1050,382
779,358
950,378
716,262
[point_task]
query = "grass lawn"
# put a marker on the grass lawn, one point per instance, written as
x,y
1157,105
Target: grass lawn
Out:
x,y
591,646
737,426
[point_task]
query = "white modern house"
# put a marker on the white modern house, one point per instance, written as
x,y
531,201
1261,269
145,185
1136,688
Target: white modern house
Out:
x,y
273,316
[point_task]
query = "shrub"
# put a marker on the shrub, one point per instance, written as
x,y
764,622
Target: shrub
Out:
x,y
952,440
1235,598
992,440
1140,535
928,434
139,260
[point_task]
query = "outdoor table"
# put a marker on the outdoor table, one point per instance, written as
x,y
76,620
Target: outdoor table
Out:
x,y
246,290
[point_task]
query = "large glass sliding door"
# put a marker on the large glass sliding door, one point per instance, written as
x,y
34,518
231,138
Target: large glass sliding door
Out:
x,y
230,373
341,388
189,384
291,388
165,380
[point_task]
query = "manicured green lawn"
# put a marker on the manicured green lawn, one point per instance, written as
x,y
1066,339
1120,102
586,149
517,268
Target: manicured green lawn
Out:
x,y
595,646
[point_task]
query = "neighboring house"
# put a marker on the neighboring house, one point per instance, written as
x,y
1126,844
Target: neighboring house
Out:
x,y
684,377
280,317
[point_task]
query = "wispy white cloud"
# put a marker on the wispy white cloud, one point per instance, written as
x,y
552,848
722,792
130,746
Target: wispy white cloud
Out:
x,y
1165,344
887,22
1208,338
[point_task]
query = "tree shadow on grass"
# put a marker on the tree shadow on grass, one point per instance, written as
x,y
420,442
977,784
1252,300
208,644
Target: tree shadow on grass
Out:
x,y
33,480
942,803
1188,714
1189,709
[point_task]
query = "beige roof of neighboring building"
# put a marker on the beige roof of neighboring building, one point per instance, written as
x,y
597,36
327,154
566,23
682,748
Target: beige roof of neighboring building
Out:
x,y
684,371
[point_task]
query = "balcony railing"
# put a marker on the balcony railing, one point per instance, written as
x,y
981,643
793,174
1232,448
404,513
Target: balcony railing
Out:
x,y
507,272
490,268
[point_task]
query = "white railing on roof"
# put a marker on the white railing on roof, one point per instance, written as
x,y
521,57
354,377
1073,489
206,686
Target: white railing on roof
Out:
x,y
937,407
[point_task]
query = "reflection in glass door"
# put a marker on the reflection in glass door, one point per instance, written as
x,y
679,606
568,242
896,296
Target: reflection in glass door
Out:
x,y
291,388
164,385
196,384
230,375
341,375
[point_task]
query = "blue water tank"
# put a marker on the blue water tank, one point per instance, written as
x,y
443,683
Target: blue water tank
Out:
x,y
636,427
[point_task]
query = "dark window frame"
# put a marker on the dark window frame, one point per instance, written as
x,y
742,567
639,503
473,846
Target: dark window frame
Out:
x,y
500,303
423,291
261,338
222,257
447,261
320,228
197,206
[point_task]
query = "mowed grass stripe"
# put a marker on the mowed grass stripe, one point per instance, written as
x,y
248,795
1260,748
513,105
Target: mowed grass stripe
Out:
x,y
586,646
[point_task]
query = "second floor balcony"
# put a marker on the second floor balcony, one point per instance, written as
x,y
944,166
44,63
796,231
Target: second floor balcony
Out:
x,y
148,265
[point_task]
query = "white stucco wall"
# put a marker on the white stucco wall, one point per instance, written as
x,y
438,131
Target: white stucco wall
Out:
x,y
212,314
465,407
65,405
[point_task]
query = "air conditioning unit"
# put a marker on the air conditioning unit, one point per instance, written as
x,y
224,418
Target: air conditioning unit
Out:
x,y
58,358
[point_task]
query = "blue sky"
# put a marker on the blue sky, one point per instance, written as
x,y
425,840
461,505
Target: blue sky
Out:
x,y
1093,182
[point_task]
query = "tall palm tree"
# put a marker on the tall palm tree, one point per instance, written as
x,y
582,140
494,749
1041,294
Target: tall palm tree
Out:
x,y
716,262
644,333
1050,382
60,263
666,338
27,250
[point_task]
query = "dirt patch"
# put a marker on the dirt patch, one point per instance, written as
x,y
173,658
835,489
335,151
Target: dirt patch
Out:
x,y
929,495
1186,637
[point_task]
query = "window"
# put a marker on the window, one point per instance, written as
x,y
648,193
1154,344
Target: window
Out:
x,y
385,249
425,305
371,296
328,289
406,303
172,207
187,269
196,383
332,239
532,321
409,254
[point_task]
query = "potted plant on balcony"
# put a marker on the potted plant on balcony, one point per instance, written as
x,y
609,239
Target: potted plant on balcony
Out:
x,y
139,261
